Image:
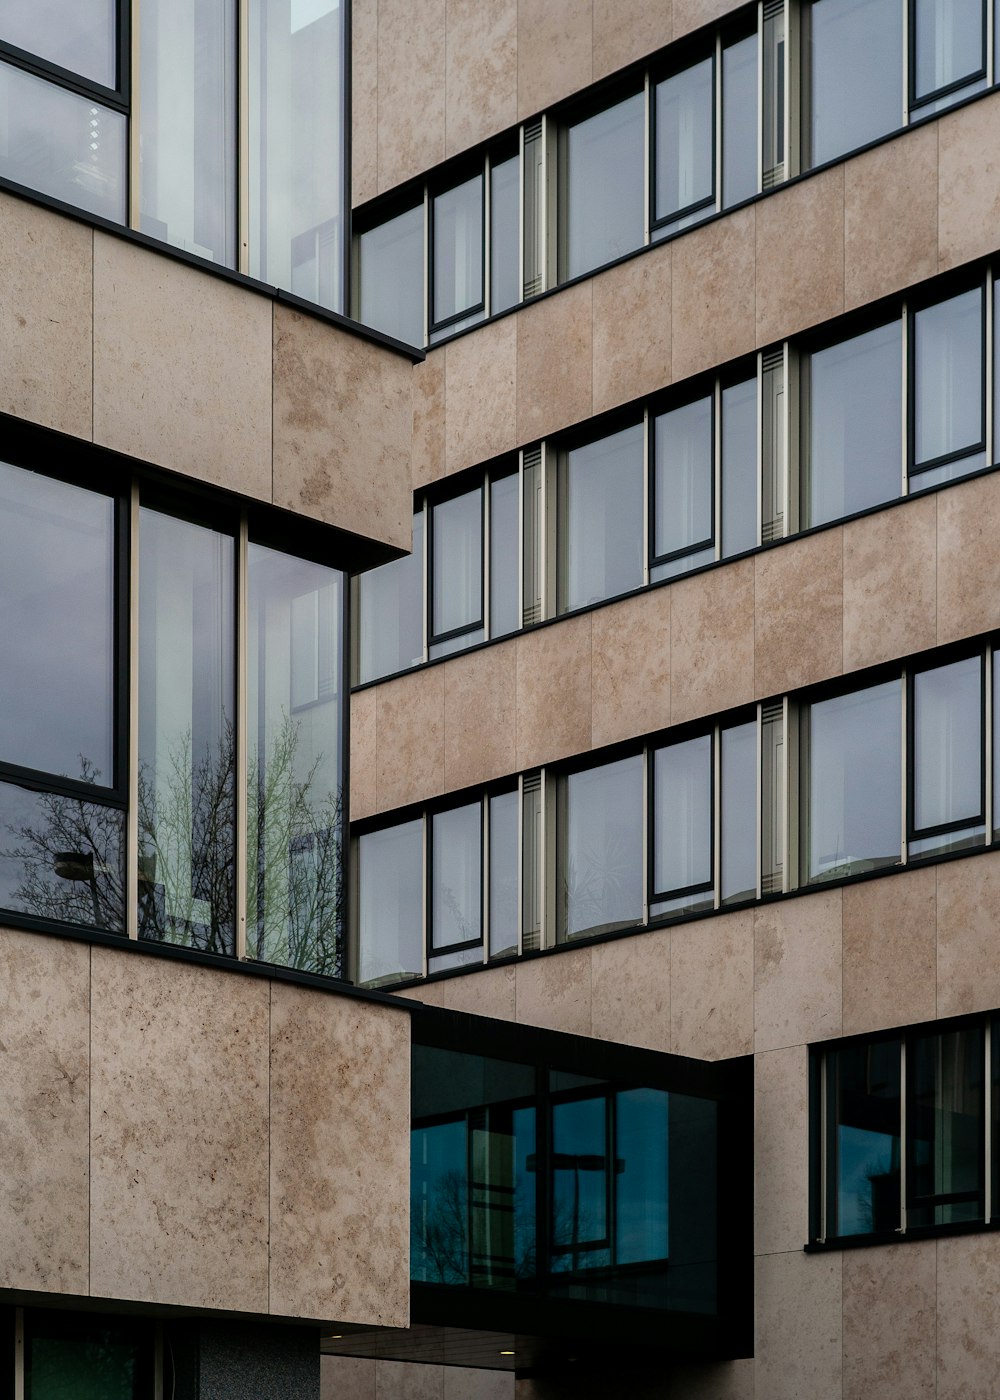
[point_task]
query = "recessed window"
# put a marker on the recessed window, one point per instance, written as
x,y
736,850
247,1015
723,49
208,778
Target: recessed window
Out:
x,y
390,902
505,217
456,913
601,849
456,572
604,186
948,47
854,73
683,826
600,518
949,389
457,257
947,740
683,488
685,142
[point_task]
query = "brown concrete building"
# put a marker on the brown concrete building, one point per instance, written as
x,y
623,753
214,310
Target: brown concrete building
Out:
x,y
638,1034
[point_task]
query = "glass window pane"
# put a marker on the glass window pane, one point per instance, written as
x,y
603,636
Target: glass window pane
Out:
x,y
503,873
948,41
296,169
57,579
854,782
641,1176
944,1120
683,479
80,35
947,744
863,1088
739,121
390,904
390,613
948,377
504,513
685,140
294,751
856,73
456,876
602,874
739,815
505,207
392,277
187,147
186,741
88,1358
439,1203
457,217
579,1185
63,145
682,819
855,424
601,514
61,858
457,535
604,183
739,467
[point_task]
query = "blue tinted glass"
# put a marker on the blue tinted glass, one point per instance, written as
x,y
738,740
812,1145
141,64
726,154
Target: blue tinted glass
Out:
x,y
579,1185
641,1206
864,1094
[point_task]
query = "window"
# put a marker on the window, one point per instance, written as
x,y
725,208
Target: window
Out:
x,y
603,213
456,588
600,517
901,1133
456,230
83,1354
389,619
685,142
948,425
683,488
390,899
390,276
601,849
947,757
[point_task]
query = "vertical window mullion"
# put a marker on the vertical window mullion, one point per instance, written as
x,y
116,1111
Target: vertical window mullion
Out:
x,y
486,553
647,830
425,889
132,819
241,765
717,468
243,143
906,398
647,164
130,61
904,1144
484,881
648,467
906,739
988,1121
716,824
717,121
486,250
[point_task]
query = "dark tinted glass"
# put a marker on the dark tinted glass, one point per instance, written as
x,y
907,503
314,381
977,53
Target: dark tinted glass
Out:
x,y
86,1358
580,1166
863,1097
944,1123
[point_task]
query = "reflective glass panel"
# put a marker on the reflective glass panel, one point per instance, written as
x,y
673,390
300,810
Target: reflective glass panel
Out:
x,y
63,145
602,875
580,1185
390,613
57,573
856,73
604,184
439,1203
944,1123
62,858
505,207
682,852
86,1358
739,121
457,534
863,1095
949,39
187,148
457,217
504,511
739,467
948,377
683,479
295,697
855,424
390,904
948,744
503,873
854,782
76,34
601,513
685,140
296,169
739,812
641,1174
456,876
392,277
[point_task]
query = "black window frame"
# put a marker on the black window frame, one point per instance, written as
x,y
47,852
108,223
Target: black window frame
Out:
x,y
915,469
653,895
461,174
913,832
439,809
430,504
117,97
658,410
957,85
710,203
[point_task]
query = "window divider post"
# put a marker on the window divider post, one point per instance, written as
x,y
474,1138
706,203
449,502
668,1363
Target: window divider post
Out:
x,y
243,138
242,720
135,96
132,815
988,1120
903,1146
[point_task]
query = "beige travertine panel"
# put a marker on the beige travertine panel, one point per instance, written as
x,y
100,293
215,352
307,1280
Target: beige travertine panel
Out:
x,y
364,802
712,293
179,1133
206,412
44,1113
800,255
343,422
481,71
692,14
891,216
968,568
797,970
712,641
798,1327
411,88
968,916
799,614
627,30
630,643
968,182
428,455
554,672
554,51
409,761
890,583
487,993
630,990
481,394
364,100
405,1380
346,1377
480,732
889,1322
711,971
781,1150
890,951
340,1158
462,1383
46,317
632,329
555,992
555,362
968,1318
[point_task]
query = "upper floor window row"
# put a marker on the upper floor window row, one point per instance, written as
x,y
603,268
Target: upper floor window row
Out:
x,y
171,762
829,784
148,131
702,129
819,429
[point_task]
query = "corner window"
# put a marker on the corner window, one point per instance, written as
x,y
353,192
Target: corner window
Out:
x,y
603,216
391,278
